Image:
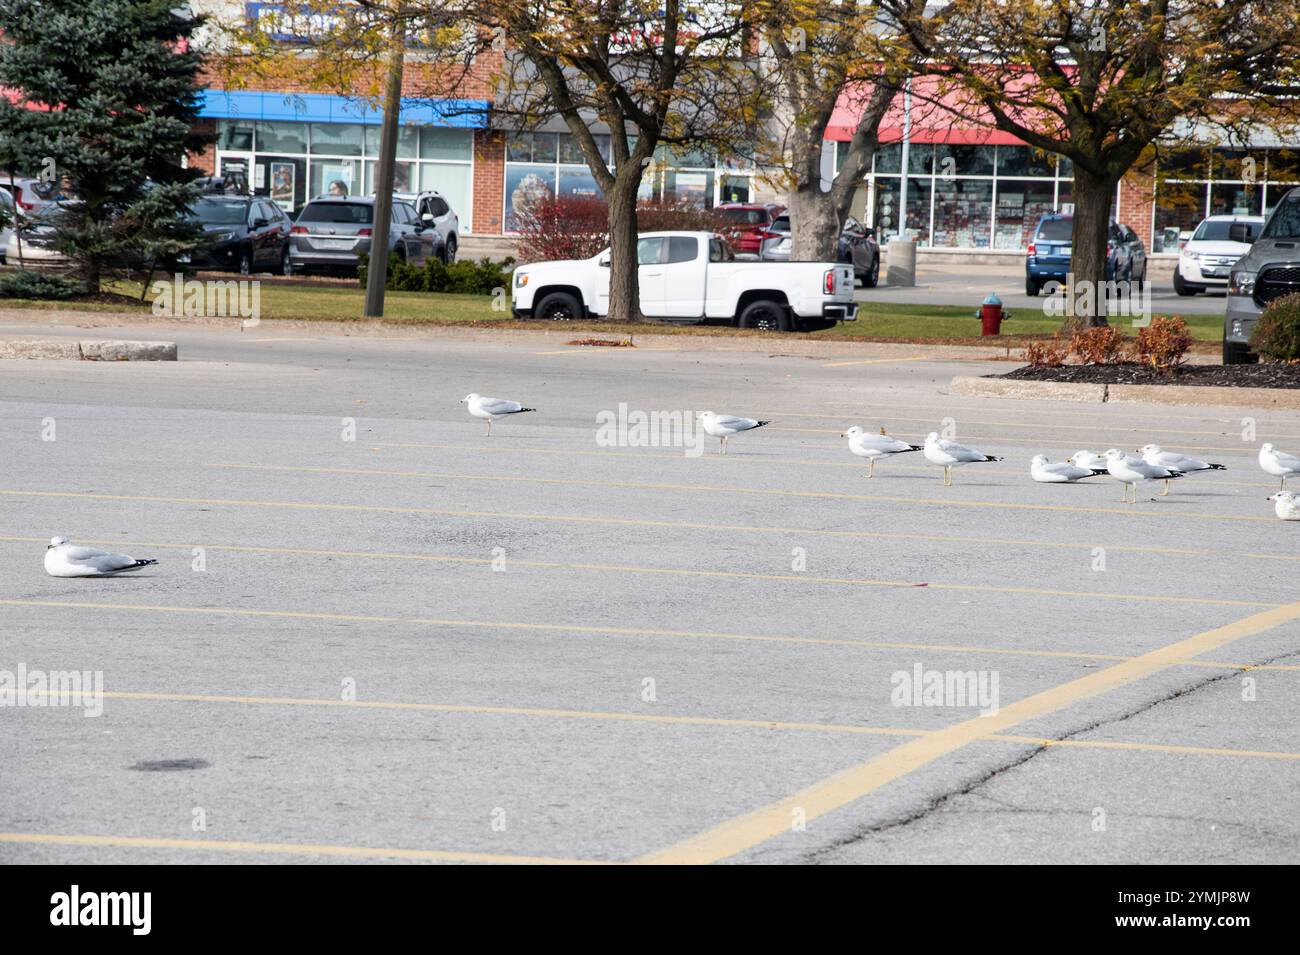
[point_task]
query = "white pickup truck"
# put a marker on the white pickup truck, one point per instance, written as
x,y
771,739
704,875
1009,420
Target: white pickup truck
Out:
x,y
693,278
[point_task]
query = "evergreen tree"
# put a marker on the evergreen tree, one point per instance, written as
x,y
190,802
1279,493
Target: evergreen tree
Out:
x,y
107,98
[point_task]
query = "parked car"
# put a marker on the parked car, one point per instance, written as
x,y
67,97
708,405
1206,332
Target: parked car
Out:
x,y
1047,258
8,214
742,223
30,195
244,234
1209,254
1269,270
331,231
857,246
434,209
693,278
32,241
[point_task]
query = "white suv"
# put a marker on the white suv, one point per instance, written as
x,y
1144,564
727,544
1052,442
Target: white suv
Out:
x,y
1210,254
435,211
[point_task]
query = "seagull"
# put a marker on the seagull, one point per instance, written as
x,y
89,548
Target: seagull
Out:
x,y
1059,472
872,446
1278,463
1088,459
481,407
724,426
1286,505
1154,454
65,559
1131,471
949,454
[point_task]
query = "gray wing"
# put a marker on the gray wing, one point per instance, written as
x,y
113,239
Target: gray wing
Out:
x,y
961,452
499,406
881,442
736,424
101,561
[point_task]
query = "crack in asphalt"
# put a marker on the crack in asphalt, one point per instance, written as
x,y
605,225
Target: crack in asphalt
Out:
x,y
938,802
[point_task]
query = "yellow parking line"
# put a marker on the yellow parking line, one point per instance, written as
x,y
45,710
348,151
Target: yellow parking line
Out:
x,y
760,825
730,489
937,648
873,361
282,848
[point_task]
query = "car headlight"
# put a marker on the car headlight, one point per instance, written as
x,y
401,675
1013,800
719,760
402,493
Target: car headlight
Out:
x,y
1242,283
1189,254
521,279
225,237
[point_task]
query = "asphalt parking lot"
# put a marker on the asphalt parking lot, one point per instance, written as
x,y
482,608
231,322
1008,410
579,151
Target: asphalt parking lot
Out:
x,y
376,635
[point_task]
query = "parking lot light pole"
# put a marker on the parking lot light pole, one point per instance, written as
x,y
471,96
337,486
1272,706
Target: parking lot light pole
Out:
x,y
378,274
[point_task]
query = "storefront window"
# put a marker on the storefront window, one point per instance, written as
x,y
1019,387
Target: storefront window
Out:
x,y
963,211
1020,203
531,147
456,145
1234,198
336,139
281,138
283,179
1023,161
961,160
235,135
577,182
1180,206
525,183
408,139
455,182
734,189
403,177
327,172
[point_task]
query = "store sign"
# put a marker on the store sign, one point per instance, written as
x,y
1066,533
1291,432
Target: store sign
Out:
x,y
283,25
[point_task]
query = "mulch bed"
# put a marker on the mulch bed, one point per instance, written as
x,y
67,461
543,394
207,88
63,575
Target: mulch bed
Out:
x,y
1272,375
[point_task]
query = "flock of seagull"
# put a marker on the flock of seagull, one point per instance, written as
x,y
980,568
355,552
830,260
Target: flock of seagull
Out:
x,y
66,559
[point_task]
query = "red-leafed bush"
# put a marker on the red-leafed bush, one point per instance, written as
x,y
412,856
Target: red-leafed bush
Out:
x,y
1163,344
674,215
1048,353
1099,345
563,227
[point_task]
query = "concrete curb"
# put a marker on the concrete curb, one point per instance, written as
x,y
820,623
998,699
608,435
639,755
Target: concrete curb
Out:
x,y
114,350
1127,394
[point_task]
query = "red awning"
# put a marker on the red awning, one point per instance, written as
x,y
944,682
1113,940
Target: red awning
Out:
x,y
933,118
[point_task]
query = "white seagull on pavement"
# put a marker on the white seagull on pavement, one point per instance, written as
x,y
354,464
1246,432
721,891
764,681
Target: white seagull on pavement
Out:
x,y
489,408
724,426
1059,472
1132,471
1278,463
1088,459
65,559
873,446
949,454
1286,506
1154,454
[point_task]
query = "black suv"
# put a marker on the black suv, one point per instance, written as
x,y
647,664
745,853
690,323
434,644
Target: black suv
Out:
x,y
244,234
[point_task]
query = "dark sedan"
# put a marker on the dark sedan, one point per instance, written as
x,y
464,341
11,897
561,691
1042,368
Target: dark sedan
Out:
x,y
244,234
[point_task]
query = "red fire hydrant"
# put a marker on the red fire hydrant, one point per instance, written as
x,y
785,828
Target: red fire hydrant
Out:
x,y
990,315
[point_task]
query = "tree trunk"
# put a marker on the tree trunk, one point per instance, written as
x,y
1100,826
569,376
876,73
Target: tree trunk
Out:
x,y
814,224
1087,292
624,287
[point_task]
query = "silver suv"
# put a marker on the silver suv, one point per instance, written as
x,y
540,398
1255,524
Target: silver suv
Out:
x,y
434,209
331,231
1269,270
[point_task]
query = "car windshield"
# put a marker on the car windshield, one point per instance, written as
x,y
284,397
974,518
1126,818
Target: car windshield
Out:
x,y
1285,222
780,224
218,212
1056,230
743,216
349,213
1216,230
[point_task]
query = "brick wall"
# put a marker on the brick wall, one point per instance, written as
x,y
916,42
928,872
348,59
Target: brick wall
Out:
x,y
489,181
207,159
1136,198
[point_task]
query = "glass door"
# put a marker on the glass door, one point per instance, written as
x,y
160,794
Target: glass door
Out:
x,y
238,168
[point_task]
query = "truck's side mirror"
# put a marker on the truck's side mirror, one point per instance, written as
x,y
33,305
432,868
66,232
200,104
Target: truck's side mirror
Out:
x,y
604,263
1240,232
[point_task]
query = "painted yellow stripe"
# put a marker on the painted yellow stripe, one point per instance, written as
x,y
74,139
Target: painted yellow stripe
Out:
x,y
727,489
756,827
723,722
873,361
281,848
625,631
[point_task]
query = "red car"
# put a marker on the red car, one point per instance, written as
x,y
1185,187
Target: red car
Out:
x,y
746,224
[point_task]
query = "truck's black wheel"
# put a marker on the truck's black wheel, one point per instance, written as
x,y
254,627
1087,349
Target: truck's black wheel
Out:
x,y
766,315
558,307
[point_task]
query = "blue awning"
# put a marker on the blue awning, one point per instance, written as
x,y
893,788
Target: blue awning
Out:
x,y
327,108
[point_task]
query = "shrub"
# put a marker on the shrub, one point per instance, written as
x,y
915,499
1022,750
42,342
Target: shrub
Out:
x,y
26,283
1164,343
563,227
1277,333
1049,353
675,215
463,278
1099,345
